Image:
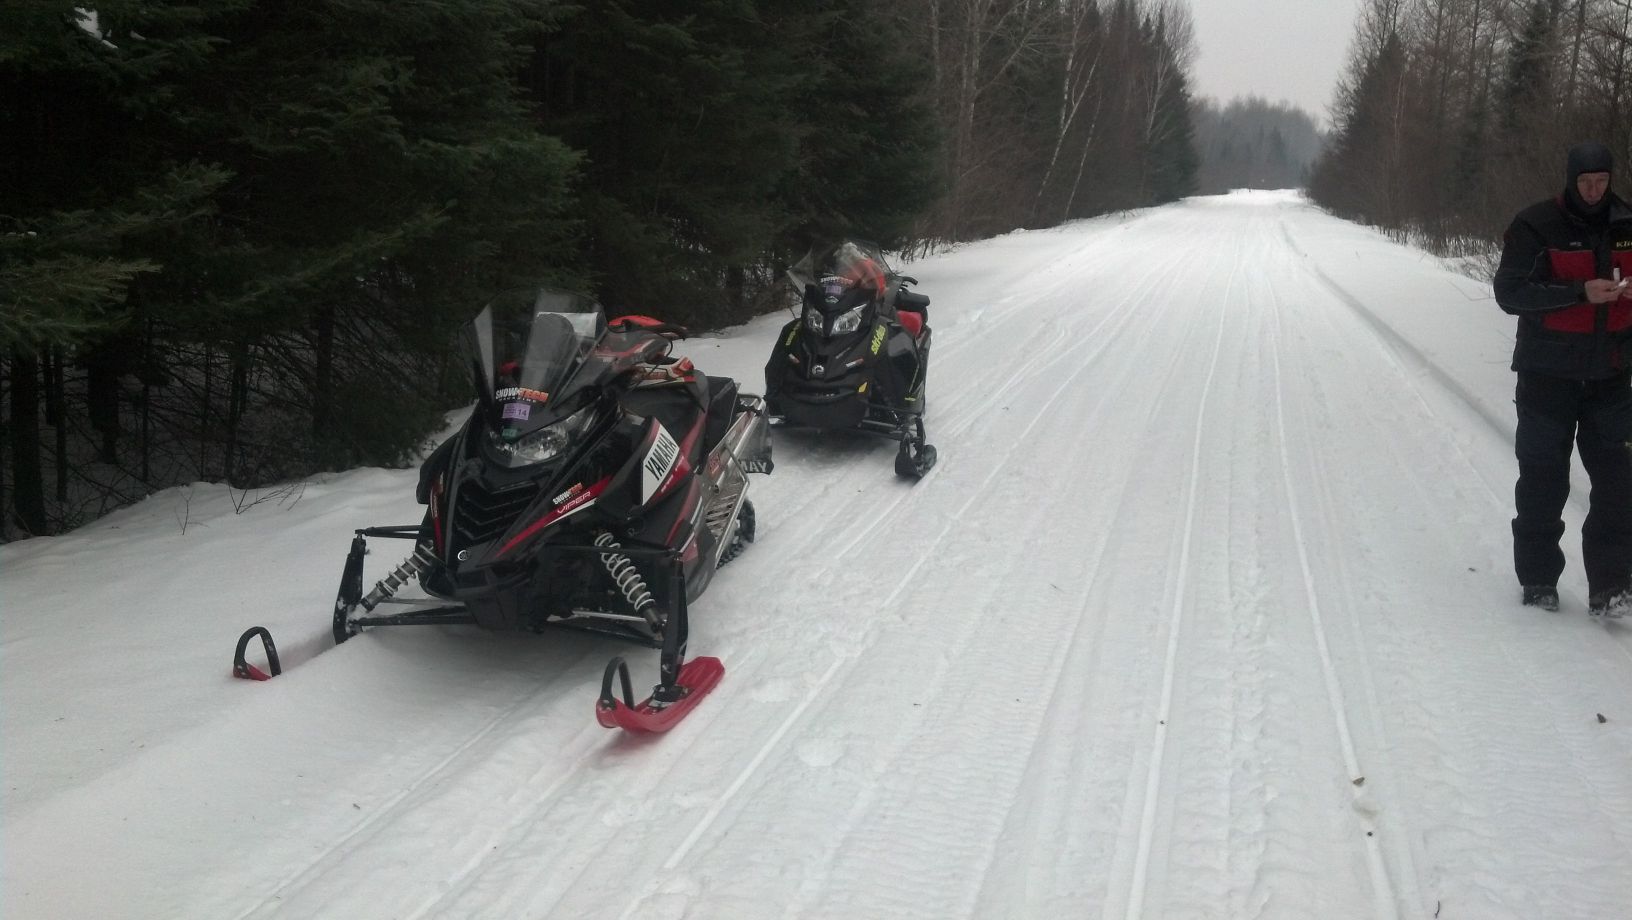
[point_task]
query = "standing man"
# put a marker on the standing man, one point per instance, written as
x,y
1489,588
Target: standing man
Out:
x,y
1564,273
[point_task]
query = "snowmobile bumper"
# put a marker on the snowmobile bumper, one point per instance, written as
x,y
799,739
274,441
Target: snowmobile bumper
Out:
x,y
848,402
824,409
853,412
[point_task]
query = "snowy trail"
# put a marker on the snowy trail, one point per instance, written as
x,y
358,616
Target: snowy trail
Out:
x,y
1205,612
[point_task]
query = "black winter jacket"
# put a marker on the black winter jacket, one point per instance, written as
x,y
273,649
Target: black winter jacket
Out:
x,y
1548,254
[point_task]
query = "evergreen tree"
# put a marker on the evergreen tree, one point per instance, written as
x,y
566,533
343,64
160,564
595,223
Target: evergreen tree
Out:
x,y
313,193
84,105
1468,175
1174,163
867,139
82,97
1354,177
684,116
1528,81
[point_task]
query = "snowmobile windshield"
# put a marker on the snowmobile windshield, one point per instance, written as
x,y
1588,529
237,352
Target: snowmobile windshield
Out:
x,y
839,286
541,360
837,269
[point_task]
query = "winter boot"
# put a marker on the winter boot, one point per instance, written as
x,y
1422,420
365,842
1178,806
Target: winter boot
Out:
x,y
1543,596
1611,605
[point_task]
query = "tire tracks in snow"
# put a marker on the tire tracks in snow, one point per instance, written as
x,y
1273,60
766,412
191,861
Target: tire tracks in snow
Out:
x,y
1396,341
1062,345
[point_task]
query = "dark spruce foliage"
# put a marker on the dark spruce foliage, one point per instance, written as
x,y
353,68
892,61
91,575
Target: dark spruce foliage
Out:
x,y
237,236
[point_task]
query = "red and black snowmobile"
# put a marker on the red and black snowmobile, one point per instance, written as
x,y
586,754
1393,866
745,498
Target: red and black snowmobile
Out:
x,y
597,485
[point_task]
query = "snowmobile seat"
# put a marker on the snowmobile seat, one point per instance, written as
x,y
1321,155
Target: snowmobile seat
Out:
x,y
676,406
910,321
914,302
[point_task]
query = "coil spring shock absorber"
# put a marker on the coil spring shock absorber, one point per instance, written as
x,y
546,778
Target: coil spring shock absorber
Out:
x,y
412,567
629,580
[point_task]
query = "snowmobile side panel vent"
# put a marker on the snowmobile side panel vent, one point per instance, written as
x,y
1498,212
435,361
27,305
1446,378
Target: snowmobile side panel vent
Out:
x,y
482,515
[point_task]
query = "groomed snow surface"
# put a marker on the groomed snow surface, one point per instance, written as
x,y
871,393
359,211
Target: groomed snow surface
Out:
x,y
1207,611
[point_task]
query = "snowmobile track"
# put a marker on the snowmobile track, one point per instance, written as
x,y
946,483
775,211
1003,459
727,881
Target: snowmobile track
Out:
x,y
1387,904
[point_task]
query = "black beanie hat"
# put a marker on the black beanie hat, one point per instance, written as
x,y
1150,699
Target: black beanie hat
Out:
x,y
1587,157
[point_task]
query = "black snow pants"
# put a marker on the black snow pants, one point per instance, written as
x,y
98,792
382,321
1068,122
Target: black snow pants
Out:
x,y
1597,416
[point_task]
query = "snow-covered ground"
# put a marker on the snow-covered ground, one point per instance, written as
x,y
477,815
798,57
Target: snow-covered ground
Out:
x,y
1206,612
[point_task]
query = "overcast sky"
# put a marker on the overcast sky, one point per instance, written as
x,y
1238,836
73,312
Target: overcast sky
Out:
x,y
1282,50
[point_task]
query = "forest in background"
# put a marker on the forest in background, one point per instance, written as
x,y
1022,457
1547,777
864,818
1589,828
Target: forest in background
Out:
x,y
1454,114
237,236
1253,143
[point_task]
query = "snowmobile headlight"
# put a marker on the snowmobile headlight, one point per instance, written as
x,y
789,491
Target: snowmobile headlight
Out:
x,y
541,445
813,321
849,322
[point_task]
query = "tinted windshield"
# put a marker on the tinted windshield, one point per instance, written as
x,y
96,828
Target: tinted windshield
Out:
x,y
540,355
842,265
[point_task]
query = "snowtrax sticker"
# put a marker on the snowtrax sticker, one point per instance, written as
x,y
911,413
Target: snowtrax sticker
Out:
x,y
522,393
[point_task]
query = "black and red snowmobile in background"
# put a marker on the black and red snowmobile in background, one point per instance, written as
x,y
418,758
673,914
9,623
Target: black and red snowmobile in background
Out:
x,y
597,485
857,355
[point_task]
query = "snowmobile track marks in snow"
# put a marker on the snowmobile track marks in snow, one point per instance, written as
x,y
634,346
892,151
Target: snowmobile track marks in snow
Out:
x,y
1384,889
379,819
1175,624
